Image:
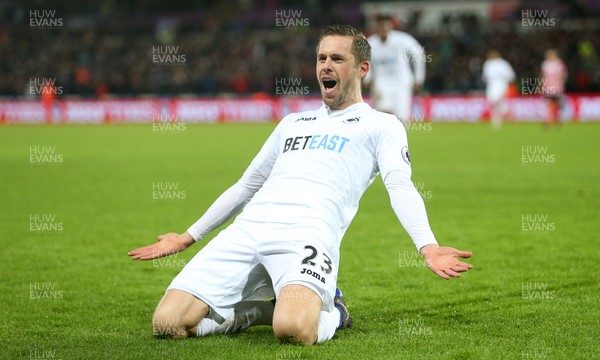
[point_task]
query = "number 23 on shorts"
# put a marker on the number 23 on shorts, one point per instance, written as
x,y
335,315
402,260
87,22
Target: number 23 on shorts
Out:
x,y
325,263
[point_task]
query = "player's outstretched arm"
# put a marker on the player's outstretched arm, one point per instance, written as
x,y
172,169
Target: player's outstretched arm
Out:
x,y
443,260
168,244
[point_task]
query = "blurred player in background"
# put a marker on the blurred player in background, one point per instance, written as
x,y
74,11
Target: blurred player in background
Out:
x,y
497,74
398,68
554,75
297,199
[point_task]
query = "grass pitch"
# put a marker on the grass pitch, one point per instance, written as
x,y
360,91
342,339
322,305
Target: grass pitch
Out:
x,y
76,199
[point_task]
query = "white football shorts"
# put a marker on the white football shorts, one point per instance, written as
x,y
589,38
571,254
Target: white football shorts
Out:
x,y
395,98
254,261
496,91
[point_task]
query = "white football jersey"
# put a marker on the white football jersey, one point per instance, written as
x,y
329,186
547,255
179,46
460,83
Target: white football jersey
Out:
x,y
319,163
497,71
392,61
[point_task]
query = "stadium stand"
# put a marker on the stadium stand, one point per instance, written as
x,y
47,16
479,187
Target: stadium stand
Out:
x,y
103,48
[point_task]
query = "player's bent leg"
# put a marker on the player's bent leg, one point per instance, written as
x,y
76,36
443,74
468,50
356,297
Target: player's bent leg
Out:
x,y
296,315
245,315
177,315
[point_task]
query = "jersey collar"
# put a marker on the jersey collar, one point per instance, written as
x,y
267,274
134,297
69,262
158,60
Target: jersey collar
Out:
x,y
354,107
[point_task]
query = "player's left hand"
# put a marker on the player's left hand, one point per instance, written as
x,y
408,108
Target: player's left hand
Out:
x,y
444,262
168,244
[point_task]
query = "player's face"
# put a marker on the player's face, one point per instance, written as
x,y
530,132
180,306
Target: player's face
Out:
x,y
338,74
551,55
383,27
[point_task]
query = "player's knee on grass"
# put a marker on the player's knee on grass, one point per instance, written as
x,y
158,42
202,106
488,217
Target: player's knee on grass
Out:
x,y
177,315
294,330
296,315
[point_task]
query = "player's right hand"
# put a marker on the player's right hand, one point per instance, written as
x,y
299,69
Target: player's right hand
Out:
x,y
168,244
443,260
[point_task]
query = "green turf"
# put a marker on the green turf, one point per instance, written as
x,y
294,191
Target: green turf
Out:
x,y
532,294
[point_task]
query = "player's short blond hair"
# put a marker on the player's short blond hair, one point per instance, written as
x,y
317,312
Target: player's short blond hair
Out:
x,y
360,46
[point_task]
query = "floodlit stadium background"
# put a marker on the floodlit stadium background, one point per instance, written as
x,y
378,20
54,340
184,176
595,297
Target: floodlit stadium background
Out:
x,y
254,60
123,120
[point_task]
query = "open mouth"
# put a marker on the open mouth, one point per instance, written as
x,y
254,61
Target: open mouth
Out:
x,y
329,84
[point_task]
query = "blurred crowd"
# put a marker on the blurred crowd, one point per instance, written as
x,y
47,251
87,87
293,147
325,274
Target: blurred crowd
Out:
x,y
220,51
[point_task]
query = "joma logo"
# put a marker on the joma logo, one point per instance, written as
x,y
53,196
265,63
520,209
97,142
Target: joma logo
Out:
x,y
313,274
